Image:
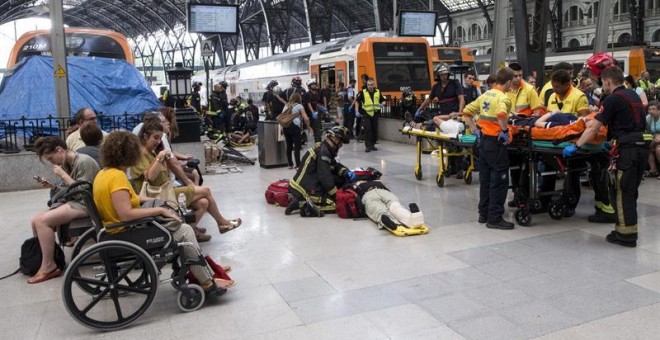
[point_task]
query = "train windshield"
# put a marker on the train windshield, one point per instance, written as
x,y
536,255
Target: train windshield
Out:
x,y
77,44
652,58
402,64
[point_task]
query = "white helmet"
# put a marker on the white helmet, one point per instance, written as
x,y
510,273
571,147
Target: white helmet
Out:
x,y
310,82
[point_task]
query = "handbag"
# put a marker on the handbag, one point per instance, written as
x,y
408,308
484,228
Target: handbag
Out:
x,y
164,192
30,260
169,223
286,117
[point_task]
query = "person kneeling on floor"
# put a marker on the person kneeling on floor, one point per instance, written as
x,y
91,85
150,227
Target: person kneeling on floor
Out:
x,y
316,181
384,208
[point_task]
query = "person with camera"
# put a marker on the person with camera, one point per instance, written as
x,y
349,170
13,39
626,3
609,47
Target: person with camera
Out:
x,y
152,168
70,167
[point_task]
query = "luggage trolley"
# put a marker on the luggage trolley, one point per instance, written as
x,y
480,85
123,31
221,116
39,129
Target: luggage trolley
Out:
x,y
456,145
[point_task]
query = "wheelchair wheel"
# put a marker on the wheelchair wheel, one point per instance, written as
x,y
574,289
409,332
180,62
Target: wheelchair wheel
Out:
x,y
523,217
124,278
537,205
190,298
86,240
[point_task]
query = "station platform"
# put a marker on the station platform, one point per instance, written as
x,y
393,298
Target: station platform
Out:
x,y
328,278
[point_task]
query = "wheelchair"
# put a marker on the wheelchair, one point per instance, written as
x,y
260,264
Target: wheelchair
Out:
x,y
111,283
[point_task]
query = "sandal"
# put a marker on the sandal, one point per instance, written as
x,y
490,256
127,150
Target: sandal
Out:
x,y
652,174
233,224
225,284
45,277
71,242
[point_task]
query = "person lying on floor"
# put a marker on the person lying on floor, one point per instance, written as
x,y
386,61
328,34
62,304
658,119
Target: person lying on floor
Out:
x,y
320,175
384,208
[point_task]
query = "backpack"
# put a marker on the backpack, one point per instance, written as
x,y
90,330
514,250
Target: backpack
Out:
x,y
278,193
348,205
30,260
286,117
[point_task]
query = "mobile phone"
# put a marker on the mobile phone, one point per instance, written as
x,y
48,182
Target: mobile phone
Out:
x,y
42,180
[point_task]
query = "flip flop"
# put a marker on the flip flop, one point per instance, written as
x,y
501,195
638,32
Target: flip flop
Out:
x,y
45,277
233,224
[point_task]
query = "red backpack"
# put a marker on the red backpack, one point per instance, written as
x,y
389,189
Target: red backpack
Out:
x,y
348,204
278,193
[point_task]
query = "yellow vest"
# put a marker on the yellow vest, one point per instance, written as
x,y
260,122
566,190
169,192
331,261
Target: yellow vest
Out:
x,y
371,106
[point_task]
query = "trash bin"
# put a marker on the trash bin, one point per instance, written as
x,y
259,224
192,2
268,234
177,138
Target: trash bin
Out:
x,y
189,126
272,147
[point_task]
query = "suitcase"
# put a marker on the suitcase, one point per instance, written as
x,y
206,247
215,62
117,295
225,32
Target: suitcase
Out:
x,y
348,205
278,193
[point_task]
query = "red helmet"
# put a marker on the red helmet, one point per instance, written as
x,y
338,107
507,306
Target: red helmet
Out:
x,y
598,62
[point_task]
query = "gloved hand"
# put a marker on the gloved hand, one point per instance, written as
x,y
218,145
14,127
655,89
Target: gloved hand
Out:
x,y
418,113
350,175
570,150
503,137
315,115
358,114
477,133
607,145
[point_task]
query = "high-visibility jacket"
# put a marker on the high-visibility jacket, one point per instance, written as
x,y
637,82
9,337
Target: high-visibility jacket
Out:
x,y
524,99
371,106
573,102
645,84
494,104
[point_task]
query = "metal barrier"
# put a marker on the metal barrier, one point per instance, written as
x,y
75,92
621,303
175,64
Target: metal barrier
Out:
x,y
21,133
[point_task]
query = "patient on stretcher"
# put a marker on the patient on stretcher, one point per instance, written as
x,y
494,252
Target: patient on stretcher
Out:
x,y
554,130
430,120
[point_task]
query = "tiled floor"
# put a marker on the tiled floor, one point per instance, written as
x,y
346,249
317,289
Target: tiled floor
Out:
x,y
327,278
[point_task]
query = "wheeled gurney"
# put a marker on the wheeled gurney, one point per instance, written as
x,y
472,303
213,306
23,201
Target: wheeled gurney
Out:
x,y
446,145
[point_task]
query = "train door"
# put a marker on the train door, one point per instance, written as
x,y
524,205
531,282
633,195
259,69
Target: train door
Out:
x,y
340,73
351,71
327,75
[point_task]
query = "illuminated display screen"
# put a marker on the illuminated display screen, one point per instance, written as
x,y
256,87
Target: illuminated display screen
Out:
x,y
219,19
417,24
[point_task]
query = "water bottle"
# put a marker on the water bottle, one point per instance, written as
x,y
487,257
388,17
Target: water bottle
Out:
x,y
182,202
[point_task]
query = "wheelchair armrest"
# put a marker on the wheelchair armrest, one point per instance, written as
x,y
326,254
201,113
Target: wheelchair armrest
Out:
x,y
129,223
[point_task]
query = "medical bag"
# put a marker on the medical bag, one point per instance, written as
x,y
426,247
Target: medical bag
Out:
x,y
278,193
368,174
348,204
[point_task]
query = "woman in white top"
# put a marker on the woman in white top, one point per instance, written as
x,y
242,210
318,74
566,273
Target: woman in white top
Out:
x,y
293,133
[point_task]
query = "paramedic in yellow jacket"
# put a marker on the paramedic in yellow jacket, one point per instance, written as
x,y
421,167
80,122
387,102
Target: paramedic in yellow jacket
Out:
x,y
565,97
493,109
368,104
523,96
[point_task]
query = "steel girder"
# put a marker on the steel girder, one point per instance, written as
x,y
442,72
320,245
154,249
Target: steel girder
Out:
x,y
531,52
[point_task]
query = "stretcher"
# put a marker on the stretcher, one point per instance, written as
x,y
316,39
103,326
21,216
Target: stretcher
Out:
x,y
527,196
402,231
446,145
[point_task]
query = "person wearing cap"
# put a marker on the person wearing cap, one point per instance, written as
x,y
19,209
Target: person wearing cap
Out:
x,y
195,98
219,107
493,109
320,174
273,99
623,114
450,96
368,102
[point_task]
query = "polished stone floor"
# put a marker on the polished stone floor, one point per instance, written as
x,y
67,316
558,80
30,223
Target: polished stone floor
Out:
x,y
328,278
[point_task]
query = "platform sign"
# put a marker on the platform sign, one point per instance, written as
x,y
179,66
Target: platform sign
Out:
x,y
207,48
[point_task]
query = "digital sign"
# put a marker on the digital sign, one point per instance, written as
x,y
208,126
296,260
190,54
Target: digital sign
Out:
x,y
417,23
212,19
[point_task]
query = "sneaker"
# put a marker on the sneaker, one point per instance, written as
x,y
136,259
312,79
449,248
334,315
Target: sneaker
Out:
x,y
622,239
373,148
367,150
502,224
293,206
387,222
482,219
602,217
413,207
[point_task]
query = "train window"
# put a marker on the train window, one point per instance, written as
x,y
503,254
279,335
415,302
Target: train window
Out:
x,y
401,65
79,44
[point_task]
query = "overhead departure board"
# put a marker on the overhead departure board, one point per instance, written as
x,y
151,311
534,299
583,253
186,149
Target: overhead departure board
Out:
x,y
209,18
417,23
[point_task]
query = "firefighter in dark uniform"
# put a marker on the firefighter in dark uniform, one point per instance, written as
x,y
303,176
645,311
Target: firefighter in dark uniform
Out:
x,y
623,113
493,133
219,108
320,175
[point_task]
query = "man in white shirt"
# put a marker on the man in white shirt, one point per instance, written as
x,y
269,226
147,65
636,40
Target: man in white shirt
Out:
x,y
83,116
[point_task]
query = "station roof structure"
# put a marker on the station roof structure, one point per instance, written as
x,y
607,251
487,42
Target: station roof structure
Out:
x,y
273,23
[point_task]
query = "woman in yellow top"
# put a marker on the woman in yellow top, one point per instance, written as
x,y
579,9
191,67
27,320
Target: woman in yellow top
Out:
x,y
151,167
116,201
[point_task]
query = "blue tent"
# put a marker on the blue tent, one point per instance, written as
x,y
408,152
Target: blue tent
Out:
x,y
109,86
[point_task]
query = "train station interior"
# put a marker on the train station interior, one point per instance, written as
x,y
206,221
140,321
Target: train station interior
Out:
x,y
552,276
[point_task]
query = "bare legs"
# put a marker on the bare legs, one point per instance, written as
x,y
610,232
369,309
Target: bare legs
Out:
x,y
203,201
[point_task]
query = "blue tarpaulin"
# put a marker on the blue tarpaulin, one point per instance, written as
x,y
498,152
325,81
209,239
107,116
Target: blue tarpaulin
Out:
x,y
109,86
